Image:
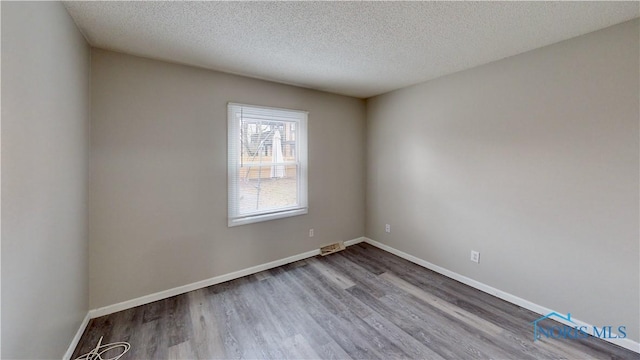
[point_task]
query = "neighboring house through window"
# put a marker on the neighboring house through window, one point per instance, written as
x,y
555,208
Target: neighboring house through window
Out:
x,y
267,163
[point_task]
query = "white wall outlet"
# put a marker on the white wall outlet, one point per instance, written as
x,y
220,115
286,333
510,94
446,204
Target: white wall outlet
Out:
x,y
387,228
310,232
475,256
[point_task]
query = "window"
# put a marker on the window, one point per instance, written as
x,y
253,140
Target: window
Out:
x,y
267,163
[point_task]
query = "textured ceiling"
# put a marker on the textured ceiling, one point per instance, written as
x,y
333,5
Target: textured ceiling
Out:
x,y
353,48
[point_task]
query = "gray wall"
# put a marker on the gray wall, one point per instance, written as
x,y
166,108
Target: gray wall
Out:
x,y
533,161
158,178
45,133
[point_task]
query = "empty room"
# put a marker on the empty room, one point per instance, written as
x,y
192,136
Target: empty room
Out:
x,y
320,180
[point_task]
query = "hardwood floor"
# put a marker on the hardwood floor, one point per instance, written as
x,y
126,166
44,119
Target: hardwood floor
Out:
x,y
361,303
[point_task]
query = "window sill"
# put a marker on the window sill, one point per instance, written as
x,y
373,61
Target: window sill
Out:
x,y
266,217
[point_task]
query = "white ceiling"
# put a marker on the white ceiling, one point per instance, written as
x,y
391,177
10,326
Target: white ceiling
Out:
x,y
353,48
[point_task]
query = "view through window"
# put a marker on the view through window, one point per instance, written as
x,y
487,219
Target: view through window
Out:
x,y
267,163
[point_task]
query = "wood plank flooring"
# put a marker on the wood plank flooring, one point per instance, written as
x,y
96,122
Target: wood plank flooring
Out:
x,y
361,303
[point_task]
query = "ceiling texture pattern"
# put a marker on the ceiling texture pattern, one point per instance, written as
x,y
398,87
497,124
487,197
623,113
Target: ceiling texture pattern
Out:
x,y
360,49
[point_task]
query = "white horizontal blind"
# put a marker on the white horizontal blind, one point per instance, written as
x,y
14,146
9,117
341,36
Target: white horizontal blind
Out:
x,y
267,155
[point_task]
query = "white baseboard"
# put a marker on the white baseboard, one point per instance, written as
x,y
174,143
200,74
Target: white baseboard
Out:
x,y
625,343
76,339
354,241
106,310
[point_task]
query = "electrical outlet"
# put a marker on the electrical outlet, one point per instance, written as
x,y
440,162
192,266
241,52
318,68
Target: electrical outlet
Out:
x,y
387,228
475,256
310,232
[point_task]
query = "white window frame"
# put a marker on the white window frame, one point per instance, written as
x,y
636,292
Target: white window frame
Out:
x,y
233,154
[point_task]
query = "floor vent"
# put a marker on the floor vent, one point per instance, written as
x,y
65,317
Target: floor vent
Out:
x,y
331,248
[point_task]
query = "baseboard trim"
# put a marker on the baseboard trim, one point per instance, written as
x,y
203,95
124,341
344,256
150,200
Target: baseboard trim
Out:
x,y
76,339
110,309
353,241
625,343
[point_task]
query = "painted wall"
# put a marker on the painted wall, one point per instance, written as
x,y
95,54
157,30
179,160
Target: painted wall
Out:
x,y
533,161
45,134
158,177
